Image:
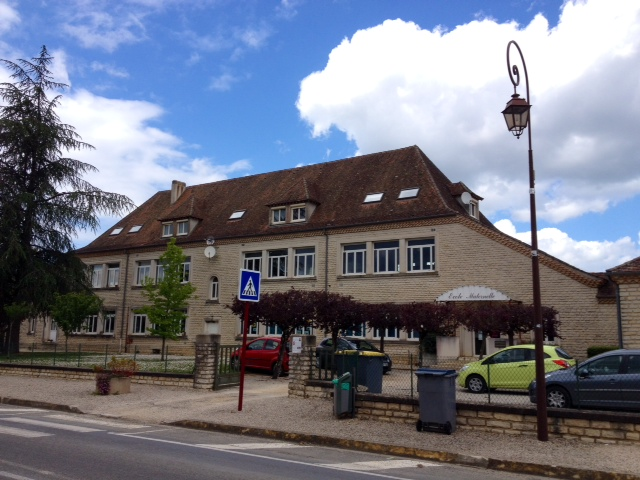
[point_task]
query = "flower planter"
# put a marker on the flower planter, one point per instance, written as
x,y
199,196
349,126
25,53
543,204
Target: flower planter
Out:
x,y
119,385
111,385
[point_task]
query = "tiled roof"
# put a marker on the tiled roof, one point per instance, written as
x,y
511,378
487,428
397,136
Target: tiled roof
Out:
x,y
632,266
337,188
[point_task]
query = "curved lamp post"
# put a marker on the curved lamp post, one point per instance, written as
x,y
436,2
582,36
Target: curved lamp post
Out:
x,y
516,114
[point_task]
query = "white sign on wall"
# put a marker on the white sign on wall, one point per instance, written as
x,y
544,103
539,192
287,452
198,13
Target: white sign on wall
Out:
x,y
472,293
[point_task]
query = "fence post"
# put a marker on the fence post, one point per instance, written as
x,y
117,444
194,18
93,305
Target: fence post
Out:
x,y
411,371
166,358
55,353
206,366
79,353
135,352
106,354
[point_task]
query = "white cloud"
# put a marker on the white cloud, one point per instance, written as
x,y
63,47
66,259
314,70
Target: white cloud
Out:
x,y
133,157
397,84
111,70
97,28
590,256
9,17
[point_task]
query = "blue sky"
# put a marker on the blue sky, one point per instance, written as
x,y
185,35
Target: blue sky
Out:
x,y
201,90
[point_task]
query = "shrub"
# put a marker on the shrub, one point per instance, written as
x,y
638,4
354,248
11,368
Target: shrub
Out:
x,y
122,367
598,349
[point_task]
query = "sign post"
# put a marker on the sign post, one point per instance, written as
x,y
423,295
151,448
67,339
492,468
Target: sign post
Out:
x,y
249,291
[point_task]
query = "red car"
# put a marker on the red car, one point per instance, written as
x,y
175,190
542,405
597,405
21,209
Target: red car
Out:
x,y
262,354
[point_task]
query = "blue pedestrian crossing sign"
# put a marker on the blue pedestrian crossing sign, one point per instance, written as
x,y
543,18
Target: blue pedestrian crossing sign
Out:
x,y
249,286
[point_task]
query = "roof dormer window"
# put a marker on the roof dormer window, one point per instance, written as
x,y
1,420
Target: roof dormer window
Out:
x,y
408,193
167,229
116,231
278,215
472,208
135,229
298,213
237,215
373,197
183,227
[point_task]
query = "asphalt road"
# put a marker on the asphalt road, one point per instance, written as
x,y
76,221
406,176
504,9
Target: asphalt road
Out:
x,y
39,444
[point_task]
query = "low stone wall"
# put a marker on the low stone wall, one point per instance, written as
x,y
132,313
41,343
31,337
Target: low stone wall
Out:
x,y
163,379
587,426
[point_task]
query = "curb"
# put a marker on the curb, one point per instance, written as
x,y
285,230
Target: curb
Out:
x,y
551,471
44,405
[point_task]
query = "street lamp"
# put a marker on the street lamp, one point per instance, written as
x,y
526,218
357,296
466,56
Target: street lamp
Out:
x,y
517,116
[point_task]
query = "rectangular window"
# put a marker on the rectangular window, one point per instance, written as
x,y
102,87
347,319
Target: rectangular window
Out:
x,y
186,270
214,291
253,261
32,325
421,255
159,272
139,326
143,271
274,330
354,259
183,227
253,329
91,324
386,257
473,208
298,214
305,260
96,276
392,332
113,275
413,335
278,215
278,263
359,330
109,322
304,331
183,324
167,229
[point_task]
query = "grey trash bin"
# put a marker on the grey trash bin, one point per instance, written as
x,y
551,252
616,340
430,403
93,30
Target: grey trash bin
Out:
x,y
370,371
437,400
342,395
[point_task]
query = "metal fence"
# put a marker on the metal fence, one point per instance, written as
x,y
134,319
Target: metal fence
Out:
x,y
494,384
97,355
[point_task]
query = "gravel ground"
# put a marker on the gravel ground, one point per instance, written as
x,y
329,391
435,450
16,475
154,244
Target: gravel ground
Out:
x,y
266,405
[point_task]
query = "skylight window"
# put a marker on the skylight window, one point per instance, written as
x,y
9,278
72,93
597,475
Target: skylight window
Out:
x,y
237,214
373,197
408,193
116,231
135,229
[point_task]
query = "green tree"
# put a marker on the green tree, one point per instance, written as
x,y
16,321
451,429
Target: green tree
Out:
x,y
44,200
168,297
71,309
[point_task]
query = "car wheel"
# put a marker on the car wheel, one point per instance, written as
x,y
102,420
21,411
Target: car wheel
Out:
x,y
476,384
558,397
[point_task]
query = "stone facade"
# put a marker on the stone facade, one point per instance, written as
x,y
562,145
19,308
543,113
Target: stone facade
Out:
x,y
469,252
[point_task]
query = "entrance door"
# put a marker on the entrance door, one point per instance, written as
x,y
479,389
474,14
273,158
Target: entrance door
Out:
x,y
53,332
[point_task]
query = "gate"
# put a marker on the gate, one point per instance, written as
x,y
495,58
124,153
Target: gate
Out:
x,y
227,367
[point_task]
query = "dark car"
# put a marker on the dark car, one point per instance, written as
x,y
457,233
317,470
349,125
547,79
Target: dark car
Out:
x,y
262,354
609,380
324,351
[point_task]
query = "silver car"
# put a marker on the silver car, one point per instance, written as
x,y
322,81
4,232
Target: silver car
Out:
x,y
609,380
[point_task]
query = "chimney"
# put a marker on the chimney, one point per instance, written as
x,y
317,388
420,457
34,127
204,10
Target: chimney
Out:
x,y
177,188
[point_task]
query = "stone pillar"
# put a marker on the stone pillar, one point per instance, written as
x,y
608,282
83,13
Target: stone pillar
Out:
x,y
206,361
300,366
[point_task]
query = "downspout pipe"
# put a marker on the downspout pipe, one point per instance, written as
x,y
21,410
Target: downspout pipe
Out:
x,y
124,326
326,260
619,315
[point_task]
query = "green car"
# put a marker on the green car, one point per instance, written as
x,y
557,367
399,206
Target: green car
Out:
x,y
511,368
